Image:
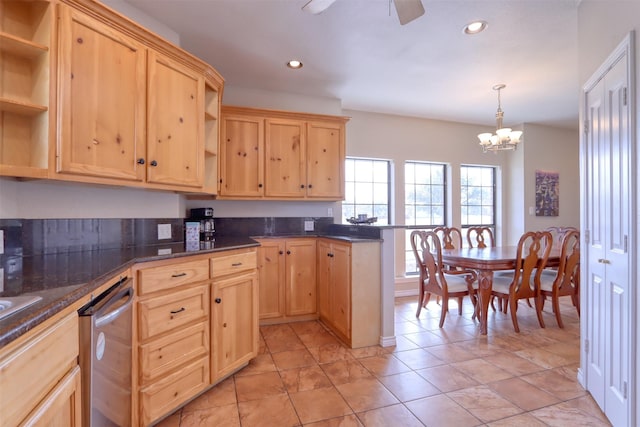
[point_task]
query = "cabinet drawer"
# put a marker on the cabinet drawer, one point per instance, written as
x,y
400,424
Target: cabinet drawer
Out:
x,y
167,394
28,374
162,355
169,276
222,265
166,312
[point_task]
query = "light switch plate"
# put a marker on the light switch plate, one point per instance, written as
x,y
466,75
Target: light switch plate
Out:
x,y
164,231
1,242
308,226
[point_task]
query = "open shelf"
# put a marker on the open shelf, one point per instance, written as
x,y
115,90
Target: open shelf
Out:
x,y
21,47
23,108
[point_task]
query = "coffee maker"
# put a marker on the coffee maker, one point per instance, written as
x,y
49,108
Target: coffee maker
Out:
x,y
202,218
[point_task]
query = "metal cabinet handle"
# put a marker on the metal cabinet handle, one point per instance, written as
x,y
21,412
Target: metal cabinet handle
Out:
x,y
280,252
154,163
218,300
604,261
259,185
310,186
179,275
288,252
141,161
178,311
236,264
301,185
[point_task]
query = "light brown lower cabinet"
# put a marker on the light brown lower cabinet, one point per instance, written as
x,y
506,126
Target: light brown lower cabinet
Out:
x,y
40,378
349,281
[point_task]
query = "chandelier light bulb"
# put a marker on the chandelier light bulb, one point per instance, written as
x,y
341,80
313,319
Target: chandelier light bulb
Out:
x,y
504,138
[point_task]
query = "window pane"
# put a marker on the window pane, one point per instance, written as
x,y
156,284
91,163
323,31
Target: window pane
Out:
x,y
477,195
360,191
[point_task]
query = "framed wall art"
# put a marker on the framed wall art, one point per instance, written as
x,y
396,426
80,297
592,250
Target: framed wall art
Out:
x,y
547,193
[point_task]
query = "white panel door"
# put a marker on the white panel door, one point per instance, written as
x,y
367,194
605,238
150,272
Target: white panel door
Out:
x,y
607,218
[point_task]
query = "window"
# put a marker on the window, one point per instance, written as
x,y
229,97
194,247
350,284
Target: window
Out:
x,y
478,196
367,189
424,203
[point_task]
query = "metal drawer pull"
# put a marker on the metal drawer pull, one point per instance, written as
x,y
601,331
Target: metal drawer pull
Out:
x,y
179,275
178,311
236,264
604,261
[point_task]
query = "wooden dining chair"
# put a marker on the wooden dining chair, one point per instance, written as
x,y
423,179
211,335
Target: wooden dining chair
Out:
x,y
434,279
480,237
566,280
531,257
558,234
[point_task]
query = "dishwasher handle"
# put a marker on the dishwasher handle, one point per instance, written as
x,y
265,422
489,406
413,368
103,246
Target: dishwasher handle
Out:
x,y
105,319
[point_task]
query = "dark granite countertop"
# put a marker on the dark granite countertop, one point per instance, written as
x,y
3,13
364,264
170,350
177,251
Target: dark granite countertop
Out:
x,y
350,239
63,278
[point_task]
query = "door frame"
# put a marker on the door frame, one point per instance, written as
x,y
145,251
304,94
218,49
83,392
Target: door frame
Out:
x,y
626,47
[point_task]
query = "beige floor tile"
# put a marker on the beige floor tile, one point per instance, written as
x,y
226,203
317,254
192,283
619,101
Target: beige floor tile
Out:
x,y
223,416
293,359
320,404
317,339
565,414
447,378
555,382
396,415
589,406
281,339
371,351
451,353
407,327
482,371
404,344
513,363
303,379
366,394
328,353
441,411
418,358
522,420
543,358
484,403
345,421
523,394
308,327
274,411
408,386
387,364
259,386
425,339
172,420
345,371
221,395
258,365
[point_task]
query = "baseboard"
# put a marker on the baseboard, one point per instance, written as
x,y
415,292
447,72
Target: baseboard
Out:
x,y
406,293
387,341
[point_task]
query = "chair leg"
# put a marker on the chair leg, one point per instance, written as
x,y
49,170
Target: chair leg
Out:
x,y
460,306
538,301
556,309
576,303
445,308
420,300
529,303
513,305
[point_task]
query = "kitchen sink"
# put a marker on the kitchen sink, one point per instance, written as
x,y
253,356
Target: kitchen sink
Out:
x,y
9,305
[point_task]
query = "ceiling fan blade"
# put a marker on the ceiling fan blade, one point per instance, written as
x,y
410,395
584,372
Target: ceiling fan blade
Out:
x,y
408,10
317,6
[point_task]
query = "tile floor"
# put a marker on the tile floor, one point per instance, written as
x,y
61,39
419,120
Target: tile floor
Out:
x,y
433,377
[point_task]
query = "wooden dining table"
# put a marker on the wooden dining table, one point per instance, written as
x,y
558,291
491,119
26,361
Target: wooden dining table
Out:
x,y
485,261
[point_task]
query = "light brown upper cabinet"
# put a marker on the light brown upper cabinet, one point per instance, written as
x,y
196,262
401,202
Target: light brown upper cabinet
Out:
x,y
87,95
269,154
25,77
176,127
101,100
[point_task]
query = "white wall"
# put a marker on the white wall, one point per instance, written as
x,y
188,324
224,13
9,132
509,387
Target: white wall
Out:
x,y
143,20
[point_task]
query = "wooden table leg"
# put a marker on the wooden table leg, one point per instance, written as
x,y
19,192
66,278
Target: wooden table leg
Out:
x,y
485,281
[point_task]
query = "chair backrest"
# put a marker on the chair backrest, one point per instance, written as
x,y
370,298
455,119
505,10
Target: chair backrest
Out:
x,y
558,233
450,237
568,278
480,237
428,252
533,252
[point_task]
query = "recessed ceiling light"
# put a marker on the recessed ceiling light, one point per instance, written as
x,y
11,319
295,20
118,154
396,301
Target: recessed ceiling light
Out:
x,y
294,64
475,27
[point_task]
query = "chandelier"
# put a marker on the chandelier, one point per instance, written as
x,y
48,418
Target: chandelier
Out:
x,y
505,138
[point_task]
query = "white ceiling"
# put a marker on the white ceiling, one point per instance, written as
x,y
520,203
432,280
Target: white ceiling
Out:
x,y
358,52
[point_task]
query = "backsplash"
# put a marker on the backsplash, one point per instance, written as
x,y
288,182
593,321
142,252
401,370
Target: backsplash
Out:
x,y
28,237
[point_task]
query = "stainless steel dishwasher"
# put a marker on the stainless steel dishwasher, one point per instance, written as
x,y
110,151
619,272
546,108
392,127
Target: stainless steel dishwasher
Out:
x,y
105,357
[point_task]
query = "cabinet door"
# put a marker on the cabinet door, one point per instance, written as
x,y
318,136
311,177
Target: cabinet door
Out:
x,y
101,99
62,405
271,278
340,289
325,160
285,159
301,290
324,277
234,323
175,148
242,156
